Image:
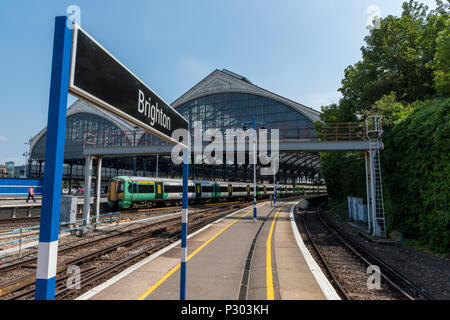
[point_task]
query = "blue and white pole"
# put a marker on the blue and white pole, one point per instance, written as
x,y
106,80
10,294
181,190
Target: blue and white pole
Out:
x,y
255,214
54,157
184,224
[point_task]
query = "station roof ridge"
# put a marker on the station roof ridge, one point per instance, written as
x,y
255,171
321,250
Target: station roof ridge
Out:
x,y
223,81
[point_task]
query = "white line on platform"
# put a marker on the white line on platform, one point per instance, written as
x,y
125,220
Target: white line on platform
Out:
x,y
327,289
129,270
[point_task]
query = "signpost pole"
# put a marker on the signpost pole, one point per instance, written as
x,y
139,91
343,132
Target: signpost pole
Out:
x,y
54,158
184,222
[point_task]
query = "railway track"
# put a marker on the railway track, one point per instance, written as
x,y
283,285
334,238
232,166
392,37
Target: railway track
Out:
x,y
136,211
346,262
102,258
19,220
16,224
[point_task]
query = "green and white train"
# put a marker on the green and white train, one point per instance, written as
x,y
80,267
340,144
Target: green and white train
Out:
x,y
134,192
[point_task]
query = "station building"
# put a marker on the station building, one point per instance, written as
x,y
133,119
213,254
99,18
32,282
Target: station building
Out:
x,y
222,99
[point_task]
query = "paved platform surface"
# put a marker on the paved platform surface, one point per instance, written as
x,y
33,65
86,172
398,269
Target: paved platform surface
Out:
x,y
217,257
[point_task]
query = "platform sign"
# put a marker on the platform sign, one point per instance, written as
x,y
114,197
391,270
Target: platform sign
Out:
x,y
84,68
98,77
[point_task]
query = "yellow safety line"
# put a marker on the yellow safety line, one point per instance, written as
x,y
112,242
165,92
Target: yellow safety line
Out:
x,y
269,277
174,269
168,208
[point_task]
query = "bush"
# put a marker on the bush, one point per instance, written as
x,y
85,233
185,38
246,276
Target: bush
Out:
x,y
417,173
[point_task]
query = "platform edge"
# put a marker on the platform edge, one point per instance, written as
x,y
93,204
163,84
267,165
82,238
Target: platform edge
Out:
x,y
327,289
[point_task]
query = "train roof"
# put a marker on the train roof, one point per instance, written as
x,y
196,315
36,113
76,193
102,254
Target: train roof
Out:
x,y
136,178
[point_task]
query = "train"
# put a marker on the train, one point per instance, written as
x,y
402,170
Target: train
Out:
x,y
126,192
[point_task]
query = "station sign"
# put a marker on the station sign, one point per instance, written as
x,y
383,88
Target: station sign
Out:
x,y
98,77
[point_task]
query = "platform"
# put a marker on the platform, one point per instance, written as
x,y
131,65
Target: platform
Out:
x,y
218,266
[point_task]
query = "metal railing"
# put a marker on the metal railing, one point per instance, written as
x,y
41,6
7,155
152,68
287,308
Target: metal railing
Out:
x,y
353,131
29,234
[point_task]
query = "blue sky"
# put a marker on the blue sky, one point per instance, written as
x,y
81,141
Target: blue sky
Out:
x,y
296,48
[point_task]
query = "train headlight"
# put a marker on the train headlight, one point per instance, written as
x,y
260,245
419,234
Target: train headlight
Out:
x,y
120,195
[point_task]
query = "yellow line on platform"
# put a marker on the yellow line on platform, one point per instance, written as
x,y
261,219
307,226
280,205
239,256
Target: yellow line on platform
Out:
x,y
269,276
177,207
174,269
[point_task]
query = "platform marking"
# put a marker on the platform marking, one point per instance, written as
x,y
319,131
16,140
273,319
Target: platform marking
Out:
x,y
174,269
327,289
104,285
269,274
177,207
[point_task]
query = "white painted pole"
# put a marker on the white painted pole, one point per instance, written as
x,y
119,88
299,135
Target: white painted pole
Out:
x,y
87,189
99,183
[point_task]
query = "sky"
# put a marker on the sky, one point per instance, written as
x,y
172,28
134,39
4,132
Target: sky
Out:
x,y
295,48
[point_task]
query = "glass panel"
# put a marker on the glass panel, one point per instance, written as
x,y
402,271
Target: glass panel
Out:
x,y
232,109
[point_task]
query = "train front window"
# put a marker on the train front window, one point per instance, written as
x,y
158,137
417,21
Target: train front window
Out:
x,y
121,186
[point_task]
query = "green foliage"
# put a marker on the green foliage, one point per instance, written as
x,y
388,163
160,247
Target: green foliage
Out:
x,y
441,62
403,76
345,176
418,173
391,110
397,57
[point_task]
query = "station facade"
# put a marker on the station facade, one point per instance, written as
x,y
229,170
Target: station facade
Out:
x,y
222,99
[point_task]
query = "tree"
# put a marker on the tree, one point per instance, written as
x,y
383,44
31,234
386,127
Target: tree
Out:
x,y
398,57
403,76
441,62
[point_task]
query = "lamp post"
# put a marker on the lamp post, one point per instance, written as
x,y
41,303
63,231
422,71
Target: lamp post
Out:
x,y
255,213
157,165
136,128
25,154
274,190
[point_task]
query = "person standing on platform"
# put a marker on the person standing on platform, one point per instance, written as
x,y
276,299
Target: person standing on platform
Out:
x,y
31,194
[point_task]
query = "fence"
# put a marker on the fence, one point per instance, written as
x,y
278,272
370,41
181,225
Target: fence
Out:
x,y
353,131
14,187
28,234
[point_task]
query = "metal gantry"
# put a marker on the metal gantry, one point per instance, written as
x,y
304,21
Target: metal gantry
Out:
x,y
375,202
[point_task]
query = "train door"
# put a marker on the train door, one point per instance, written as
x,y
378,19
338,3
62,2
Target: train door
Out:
x,y
112,191
265,190
216,189
198,190
130,191
248,191
230,190
159,190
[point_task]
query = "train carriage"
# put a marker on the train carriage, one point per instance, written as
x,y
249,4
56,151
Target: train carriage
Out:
x,y
126,192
